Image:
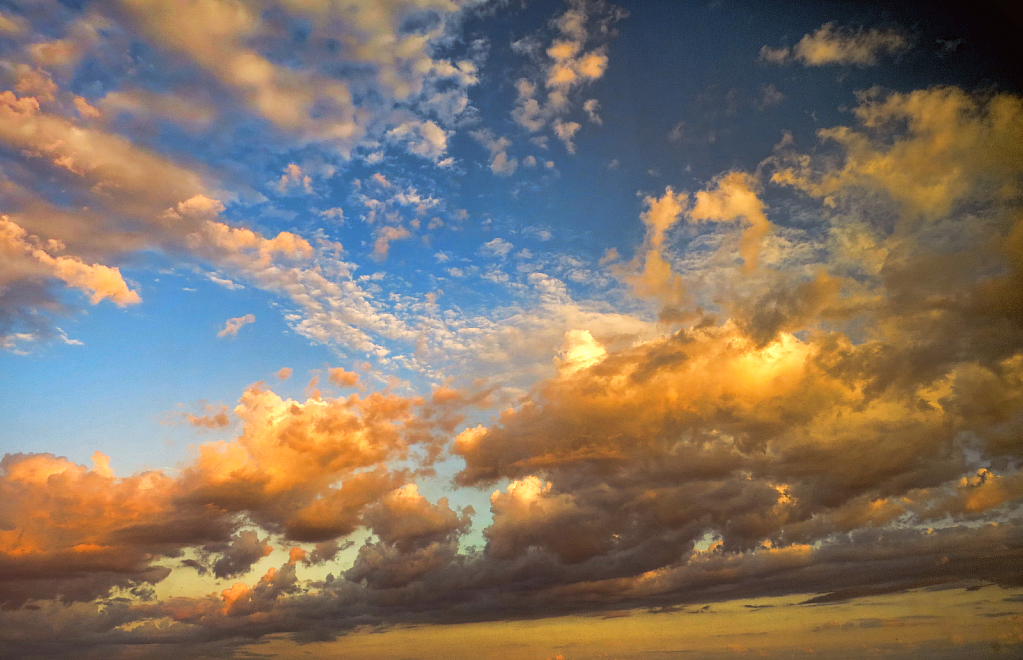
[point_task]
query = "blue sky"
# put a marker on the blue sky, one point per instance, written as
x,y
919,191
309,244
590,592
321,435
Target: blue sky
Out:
x,y
594,304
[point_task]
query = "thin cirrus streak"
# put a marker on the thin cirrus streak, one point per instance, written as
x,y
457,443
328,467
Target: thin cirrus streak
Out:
x,y
573,341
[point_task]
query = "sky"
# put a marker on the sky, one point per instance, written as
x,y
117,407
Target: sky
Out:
x,y
510,329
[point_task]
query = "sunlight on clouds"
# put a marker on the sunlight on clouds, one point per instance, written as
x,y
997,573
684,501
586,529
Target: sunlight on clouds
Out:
x,y
833,45
693,395
231,326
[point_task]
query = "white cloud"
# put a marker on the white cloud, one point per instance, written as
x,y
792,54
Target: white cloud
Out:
x,y
497,248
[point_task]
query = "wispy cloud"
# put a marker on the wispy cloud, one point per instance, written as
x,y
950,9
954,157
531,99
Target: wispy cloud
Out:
x,y
232,326
831,44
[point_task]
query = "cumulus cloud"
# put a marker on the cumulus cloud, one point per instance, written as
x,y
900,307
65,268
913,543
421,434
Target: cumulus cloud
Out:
x,y
338,376
831,44
956,148
294,177
27,255
565,132
214,417
853,344
306,471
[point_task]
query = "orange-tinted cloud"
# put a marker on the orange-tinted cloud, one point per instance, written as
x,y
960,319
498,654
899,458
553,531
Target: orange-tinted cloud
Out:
x,y
232,326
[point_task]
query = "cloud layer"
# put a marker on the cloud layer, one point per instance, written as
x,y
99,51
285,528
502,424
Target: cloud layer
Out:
x,y
802,375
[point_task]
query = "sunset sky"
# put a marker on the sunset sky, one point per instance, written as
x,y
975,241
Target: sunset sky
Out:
x,y
523,330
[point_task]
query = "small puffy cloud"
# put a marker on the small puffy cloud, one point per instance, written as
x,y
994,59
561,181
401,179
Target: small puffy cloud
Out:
x,y
565,132
592,108
833,45
498,247
338,376
539,233
294,177
232,326
85,110
500,163
284,373
384,236
422,138
335,213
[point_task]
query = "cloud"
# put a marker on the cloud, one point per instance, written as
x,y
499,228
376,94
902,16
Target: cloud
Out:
x,y
29,257
734,196
565,132
834,45
338,376
189,111
215,417
955,149
232,326
110,212
425,139
650,274
294,177
770,97
497,247
500,163
244,550
394,69
302,470
575,58
627,436
384,237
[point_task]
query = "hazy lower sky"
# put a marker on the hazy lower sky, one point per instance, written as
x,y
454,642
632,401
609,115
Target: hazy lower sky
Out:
x,y
516,330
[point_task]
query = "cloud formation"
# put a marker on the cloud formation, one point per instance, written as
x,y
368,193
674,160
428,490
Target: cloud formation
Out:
x,y
232,326
831,44
620,464
576,57
803,379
